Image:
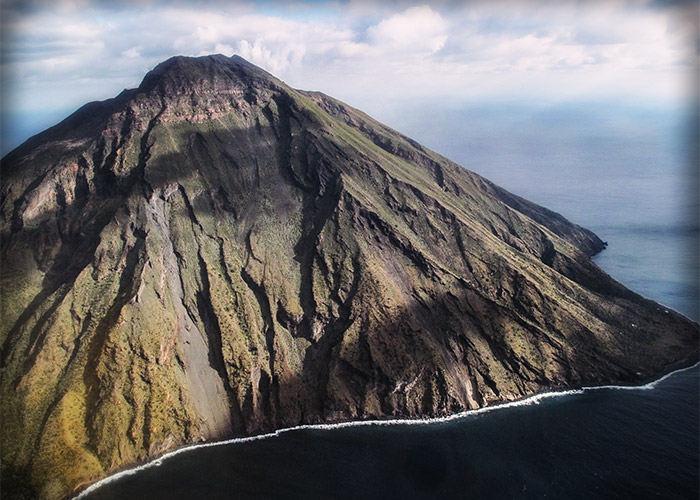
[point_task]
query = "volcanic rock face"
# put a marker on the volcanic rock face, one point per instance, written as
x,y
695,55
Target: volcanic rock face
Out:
x,y
216,254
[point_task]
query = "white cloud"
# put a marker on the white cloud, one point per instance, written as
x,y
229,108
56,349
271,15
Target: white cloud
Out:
x,y
222,48
418,28
133,52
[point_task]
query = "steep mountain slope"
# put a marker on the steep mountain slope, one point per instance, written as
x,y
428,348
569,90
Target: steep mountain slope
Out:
x,y
215,254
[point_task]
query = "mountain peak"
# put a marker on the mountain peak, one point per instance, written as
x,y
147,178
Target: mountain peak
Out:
x,y
181,74
181,88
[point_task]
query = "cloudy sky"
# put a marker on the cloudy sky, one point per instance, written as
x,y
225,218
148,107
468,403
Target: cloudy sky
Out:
x,y
374,55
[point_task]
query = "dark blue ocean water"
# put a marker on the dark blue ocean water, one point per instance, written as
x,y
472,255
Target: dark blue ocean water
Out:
x,y
604,443
626,176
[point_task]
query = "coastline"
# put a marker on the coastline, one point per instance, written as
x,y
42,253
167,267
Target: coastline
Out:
x,y
526,401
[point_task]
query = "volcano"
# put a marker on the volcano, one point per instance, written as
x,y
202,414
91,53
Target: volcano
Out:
x,y
216,254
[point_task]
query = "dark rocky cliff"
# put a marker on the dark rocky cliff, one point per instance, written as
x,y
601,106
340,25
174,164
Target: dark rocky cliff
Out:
x,y
216,254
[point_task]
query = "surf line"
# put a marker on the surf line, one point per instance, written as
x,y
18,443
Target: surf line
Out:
x,y
531,400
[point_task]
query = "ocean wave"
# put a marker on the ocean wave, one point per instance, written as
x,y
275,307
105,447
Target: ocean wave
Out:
x,y
531,400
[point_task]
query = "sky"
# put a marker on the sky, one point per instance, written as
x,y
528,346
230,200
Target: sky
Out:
x,y
375,55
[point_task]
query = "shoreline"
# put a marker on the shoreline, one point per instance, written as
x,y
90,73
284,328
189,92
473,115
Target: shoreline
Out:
x,y
526,401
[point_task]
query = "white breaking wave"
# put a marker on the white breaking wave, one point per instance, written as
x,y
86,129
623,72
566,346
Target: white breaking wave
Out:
x,y
531,400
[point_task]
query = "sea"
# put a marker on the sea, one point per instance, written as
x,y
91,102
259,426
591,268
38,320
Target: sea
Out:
x,y
629,173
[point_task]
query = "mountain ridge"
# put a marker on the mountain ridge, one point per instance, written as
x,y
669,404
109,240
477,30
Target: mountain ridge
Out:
x,y
214,253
